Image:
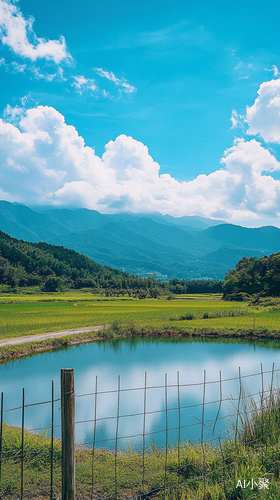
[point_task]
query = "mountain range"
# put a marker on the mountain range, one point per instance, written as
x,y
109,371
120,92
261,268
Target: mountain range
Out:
x,y
182,247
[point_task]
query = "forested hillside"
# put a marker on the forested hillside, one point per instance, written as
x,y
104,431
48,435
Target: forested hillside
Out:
x,y
253,276
51,267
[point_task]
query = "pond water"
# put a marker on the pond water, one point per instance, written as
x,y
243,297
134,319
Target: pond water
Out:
x,y
165,361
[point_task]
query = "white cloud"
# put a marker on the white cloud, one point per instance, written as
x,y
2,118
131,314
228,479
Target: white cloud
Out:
x,y
18,68
263,117
120,82
79,81
45,161
61,75
275,70
39,74
58,75
17,33
83,84
236,120
13,113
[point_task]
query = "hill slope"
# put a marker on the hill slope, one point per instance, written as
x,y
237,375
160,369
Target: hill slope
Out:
x,y
54,267
140,243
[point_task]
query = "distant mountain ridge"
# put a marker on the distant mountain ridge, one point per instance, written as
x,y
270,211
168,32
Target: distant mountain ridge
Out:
x,y
143,243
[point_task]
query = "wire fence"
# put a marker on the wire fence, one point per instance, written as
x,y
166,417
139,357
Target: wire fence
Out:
x,y
175,447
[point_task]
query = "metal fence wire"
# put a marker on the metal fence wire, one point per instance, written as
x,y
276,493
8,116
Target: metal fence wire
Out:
x,y
175,447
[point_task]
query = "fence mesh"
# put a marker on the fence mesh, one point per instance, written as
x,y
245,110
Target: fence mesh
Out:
x,y
176,447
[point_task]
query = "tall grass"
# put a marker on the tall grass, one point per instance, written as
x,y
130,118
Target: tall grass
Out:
x,y
259,420
210,472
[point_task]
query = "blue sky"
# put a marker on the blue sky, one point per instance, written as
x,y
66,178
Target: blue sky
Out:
x,y
87,87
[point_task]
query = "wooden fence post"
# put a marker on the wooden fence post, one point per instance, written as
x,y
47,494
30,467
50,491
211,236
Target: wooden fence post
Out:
x,y
68,433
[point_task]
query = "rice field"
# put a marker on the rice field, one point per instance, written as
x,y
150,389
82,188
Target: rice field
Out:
x,y
27,315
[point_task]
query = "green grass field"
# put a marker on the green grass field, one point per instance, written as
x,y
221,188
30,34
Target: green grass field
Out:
x,y
25,315
204,315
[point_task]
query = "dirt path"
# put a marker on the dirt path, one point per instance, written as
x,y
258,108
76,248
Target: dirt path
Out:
x,y
49,335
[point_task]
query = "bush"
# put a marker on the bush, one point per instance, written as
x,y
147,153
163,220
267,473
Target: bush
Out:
x,y
238,296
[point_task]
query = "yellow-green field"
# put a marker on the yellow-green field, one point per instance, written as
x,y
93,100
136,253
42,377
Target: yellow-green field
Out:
x,y
31,314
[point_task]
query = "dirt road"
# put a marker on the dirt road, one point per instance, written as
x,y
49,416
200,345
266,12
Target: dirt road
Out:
x,y
49,335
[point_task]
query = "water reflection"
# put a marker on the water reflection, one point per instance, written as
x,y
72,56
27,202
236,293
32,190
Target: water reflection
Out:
x,y
130,358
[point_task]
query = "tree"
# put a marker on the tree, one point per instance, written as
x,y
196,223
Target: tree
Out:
x,y
51,284
253,276
154,293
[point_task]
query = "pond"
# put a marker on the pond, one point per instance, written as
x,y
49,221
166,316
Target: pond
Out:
x,y
176,369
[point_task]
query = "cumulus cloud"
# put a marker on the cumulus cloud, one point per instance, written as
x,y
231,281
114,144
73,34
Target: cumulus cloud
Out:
x,y
45,161
120,82
17,33
263,117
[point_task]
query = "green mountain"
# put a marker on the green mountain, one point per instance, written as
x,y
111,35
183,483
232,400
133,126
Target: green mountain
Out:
x,y
183,247
24,264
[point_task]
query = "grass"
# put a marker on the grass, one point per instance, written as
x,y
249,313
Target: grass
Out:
x,y
69,296
185,316
40,315
256,454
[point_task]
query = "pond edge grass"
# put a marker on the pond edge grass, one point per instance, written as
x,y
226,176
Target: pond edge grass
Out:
x,y
119,331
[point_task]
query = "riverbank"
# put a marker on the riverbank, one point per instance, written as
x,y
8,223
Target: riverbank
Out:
x,y
56,340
